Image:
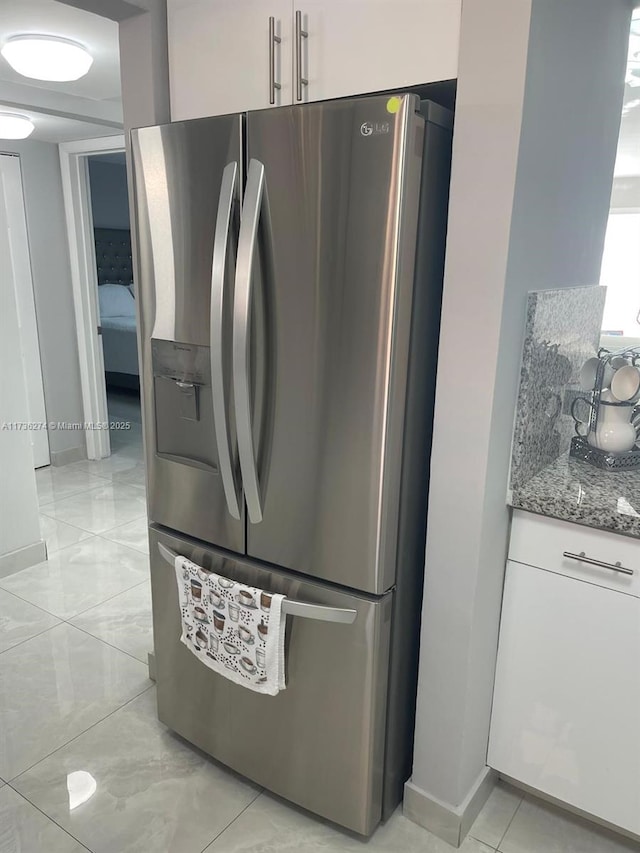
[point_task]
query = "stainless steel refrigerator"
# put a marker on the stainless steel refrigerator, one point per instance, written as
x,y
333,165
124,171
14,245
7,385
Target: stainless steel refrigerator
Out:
x,y
289,282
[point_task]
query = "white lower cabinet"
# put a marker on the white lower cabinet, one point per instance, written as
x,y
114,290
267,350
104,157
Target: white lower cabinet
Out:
x,y
566,712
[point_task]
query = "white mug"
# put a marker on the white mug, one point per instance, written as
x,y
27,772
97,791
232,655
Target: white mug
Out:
x,y
625,384
589,372
618,361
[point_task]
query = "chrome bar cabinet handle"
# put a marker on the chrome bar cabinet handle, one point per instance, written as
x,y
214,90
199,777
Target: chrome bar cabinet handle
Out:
x,y
218,269
317,612
251,209
273,41
300,34
582,558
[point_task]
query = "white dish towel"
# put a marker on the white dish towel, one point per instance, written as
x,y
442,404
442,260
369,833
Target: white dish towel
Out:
x,y
234,629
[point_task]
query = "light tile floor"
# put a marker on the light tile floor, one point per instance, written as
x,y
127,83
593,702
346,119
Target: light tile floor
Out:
x,y
87,764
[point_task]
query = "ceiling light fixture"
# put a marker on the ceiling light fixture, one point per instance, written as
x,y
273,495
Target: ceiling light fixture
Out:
x,y
47,57
14,126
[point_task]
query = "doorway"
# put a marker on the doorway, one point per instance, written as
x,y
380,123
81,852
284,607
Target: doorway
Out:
x,y
76,186
116,294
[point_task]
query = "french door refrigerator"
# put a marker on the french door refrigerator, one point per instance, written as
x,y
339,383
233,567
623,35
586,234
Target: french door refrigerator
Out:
x,y
289,281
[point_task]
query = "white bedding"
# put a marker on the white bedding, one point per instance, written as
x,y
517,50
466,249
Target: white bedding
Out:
x,y
118,323
123,324
116,300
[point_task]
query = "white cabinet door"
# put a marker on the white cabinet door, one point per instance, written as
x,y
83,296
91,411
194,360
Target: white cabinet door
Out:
x,y
566,705
544,542
219,58
357,46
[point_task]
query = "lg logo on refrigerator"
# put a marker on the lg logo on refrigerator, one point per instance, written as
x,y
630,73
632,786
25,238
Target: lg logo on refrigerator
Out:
x,y
374,128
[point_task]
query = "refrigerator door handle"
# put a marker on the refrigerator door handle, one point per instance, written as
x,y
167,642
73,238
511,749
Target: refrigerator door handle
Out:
x,y
218,268
251,209
303,609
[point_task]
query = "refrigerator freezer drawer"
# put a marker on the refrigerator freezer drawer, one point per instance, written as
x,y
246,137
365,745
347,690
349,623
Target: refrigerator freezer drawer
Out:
x,y
320,743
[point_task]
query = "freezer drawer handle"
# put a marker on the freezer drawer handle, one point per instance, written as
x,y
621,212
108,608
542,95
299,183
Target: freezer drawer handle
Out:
x,y
318,612
218,269
582,558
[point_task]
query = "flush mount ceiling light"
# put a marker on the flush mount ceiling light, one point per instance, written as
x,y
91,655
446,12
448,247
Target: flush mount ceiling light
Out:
x,y
47,57
14,126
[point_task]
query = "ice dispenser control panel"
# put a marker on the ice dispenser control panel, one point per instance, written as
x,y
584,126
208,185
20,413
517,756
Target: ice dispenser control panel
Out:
x,y
183,404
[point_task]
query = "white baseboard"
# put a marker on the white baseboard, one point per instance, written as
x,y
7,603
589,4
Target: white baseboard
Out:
x,y
71,454
451,823
15,561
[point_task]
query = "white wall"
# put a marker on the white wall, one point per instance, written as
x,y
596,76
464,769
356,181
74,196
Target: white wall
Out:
x,y
144,65
109,194
538,112
467,491
20,542
52,289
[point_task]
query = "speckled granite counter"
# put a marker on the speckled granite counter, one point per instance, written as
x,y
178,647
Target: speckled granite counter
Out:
x,y
576,491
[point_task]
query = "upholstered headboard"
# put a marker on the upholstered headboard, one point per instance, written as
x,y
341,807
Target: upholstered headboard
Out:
x,y
113,255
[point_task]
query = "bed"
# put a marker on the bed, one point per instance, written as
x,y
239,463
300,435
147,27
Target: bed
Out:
x,y
117,306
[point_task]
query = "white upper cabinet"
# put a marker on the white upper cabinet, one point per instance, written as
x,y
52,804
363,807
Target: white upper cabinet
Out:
x,y
358,46
220,57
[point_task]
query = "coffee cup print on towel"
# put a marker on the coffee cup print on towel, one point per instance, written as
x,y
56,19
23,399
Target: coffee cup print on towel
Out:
x,y
265,601
196,590
234,612
246,598
245,635
201,639
260,658
219,621
263,630
200,613
217,601
248,665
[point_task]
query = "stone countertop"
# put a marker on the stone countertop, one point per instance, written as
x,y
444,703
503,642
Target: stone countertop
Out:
x,y
576,491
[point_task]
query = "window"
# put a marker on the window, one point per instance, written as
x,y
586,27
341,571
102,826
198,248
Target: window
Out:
x,y
620,270
620,273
